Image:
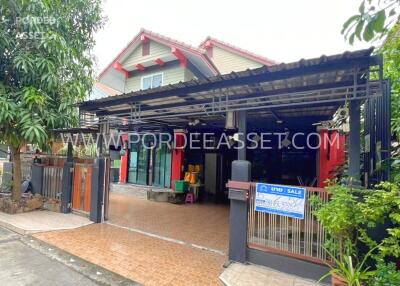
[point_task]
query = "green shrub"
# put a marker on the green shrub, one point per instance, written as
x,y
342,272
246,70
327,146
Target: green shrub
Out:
x,y
385,275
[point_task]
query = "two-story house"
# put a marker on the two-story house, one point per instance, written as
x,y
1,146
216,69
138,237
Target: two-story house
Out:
x,y
151,60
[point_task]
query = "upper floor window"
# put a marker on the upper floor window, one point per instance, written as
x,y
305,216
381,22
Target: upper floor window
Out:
x,y
146,48
152,81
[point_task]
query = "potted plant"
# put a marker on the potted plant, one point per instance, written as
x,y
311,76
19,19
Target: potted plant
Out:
x,y
353,220
341,217
345,272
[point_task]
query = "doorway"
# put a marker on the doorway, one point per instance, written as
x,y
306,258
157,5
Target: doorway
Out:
x,y
150,163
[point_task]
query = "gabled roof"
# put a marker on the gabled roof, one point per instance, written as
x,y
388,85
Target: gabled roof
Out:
x,y
195,51
236,50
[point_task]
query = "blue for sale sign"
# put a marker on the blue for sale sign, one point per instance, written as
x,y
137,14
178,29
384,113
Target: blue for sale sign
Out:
x,y
280,200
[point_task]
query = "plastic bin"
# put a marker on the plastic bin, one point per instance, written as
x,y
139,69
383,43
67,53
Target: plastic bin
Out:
x,y
181,186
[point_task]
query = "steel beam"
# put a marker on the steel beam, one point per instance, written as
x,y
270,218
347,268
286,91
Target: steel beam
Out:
x,y
289,91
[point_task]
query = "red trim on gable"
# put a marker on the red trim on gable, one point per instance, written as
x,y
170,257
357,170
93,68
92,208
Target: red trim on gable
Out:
x,y
140,67
208,44
144,38
119,68
180,56
209,52
166,41
159,61
146,48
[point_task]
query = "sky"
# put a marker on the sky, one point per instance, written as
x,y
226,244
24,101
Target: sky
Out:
x,y
282,30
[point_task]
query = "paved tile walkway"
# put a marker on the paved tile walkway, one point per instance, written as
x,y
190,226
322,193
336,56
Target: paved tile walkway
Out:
x,y
41,220
144,259
202,224
243,275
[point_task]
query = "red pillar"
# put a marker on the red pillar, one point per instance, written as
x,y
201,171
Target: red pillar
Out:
x,y
178,155
123,170
331,154
323,159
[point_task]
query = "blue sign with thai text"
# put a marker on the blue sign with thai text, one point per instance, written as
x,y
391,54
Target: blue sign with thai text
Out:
x,y
280,200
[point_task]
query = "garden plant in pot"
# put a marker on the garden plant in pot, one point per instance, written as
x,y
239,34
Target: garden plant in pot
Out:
x,y
349,218
346,272
341,216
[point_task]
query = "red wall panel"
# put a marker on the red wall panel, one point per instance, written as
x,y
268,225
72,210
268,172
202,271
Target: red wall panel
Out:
x,y
178,156
123,170
331,154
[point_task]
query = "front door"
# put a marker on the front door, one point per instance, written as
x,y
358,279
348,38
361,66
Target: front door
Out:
x,y
162,166
133,164
143,166
138,164
150,165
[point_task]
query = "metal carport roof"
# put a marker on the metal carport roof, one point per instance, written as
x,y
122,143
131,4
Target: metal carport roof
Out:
x,y
313,87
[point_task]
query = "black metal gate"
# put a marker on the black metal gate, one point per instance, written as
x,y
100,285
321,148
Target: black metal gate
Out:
x,y
377,137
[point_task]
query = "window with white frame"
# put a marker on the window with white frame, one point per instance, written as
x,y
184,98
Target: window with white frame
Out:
x,y
152,81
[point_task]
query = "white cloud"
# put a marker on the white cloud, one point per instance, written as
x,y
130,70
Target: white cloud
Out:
x,y
283,30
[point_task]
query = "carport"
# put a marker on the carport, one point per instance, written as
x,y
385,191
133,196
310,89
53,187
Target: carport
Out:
x,y
294,95
299,93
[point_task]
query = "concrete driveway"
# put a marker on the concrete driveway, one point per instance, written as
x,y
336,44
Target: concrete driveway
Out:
x,y
23,265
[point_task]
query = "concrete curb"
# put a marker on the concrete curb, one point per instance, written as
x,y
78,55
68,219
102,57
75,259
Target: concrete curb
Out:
x,y
23,231
13,228
92,271
226,283
24,227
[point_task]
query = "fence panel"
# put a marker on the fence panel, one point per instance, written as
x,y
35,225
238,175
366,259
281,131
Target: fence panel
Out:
x,y
52,182
26,170
82,185
300,238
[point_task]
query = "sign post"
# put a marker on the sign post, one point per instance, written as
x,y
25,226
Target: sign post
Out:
x,y
280,200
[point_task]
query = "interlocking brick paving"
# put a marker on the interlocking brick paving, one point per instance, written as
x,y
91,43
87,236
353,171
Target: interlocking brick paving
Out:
x,y
144,259
202,224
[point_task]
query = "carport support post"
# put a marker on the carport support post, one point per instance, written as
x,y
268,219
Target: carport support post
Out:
x,y
242,120
354,144
97,198
66,193
98,179
241,171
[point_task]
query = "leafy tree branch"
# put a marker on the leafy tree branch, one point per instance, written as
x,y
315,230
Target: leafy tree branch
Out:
x,y
373,20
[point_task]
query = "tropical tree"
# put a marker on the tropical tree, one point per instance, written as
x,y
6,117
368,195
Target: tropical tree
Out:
x,y
46,66
379,20
373,20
